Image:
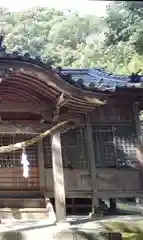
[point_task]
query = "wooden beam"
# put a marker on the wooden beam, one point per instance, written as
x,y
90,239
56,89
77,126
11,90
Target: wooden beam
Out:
x,y
16,129
24,129
62,100
56,115
23,107
63,116
21,122
78,118
46,115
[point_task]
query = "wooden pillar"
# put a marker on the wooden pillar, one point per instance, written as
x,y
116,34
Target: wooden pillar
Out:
x,y
58,178
113,204
91,159
139,200
41,165
139,140
137,120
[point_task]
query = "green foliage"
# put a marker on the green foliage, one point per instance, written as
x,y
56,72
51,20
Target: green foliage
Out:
x,y
71,40
129,230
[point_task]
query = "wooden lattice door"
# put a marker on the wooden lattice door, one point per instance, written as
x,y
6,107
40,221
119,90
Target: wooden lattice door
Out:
x,y
11,169
104,146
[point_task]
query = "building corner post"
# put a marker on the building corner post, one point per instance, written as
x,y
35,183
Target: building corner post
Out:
x,y
58,178
41,165
92,168
136,111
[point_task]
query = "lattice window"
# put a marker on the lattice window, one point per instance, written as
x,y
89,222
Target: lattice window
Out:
x,y
115,146
74,148
104,147
13,159
126,144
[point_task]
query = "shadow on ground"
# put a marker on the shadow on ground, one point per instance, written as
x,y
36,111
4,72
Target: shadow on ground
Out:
x,y
129,230
11,236
118,230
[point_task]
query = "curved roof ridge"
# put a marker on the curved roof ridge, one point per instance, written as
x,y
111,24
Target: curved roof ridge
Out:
x,y
99,72
102,80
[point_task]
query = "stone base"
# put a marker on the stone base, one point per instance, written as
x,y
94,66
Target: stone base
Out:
x,y
97,213
62,225
139,201
54,234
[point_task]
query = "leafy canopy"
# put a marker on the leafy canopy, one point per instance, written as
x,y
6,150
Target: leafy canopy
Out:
x,y
72,40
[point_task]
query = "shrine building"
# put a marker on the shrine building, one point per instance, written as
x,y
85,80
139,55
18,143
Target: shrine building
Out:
x,y
93,149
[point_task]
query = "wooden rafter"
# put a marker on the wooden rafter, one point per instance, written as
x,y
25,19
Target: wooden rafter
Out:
x,y
62,100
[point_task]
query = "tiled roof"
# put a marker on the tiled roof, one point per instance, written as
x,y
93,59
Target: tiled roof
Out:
x,y
103,80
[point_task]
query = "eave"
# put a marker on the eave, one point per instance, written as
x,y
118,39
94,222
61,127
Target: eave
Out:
x,y
30,82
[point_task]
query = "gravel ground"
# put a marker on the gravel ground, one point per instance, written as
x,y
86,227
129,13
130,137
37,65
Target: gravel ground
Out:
x,y
80,222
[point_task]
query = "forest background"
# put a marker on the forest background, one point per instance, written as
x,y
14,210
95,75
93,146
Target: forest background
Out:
x,y
68,39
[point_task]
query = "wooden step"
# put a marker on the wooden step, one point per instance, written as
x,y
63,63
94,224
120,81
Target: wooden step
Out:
x,y
22,202
20,195
23,213
8,193
9,190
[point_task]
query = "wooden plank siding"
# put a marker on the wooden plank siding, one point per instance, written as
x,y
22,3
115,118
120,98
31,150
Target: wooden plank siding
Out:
x,y
12,178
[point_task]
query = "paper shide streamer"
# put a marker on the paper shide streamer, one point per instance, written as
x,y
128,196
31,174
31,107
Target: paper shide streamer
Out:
x,y
25,163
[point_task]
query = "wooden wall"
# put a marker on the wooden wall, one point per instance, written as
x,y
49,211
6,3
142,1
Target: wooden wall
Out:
x,y
113,181
113,113
12,178
113,132
114,137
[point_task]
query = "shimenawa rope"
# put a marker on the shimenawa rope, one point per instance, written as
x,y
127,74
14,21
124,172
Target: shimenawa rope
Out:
x,y
22,145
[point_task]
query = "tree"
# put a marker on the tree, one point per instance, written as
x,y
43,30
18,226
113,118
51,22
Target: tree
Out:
x,y
125,27
72,40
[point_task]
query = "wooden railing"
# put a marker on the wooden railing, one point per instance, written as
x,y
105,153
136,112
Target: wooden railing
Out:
x,y
12,178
